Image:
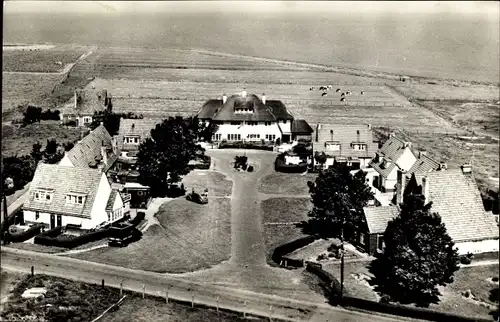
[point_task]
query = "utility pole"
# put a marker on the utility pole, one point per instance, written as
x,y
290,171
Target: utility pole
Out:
x,y
9,183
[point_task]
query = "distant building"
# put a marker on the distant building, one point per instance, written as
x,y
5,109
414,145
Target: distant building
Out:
x,y
352,145
77,196
248,118
395,154
83,105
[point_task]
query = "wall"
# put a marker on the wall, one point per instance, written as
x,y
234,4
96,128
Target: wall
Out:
x,y
244,130
98,212
285,127
372,245
29,216
406,160
65,161
363,162
391,180
484,246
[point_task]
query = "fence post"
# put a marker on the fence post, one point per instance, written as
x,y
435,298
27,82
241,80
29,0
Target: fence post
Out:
x,y
121,288
270,313
218,299
245,309
192,300
143,290
102,283
32,271
166,295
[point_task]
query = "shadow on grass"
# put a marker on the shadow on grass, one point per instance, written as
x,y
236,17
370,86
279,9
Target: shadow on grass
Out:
x,y
322,228
391,293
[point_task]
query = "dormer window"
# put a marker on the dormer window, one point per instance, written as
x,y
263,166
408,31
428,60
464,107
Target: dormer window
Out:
x,y
44,195
358,146
267,123
131,140
332,146
75,198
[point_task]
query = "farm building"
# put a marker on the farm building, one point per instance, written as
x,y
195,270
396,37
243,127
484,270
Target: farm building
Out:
x,y
344,143
395,154
96,150
455,197
248,118
78,196
83,105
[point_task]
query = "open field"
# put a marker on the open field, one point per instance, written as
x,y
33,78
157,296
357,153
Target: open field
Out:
x,y
18,89
20,140
480,117
189,238
473,278
277,210
41,60
449,92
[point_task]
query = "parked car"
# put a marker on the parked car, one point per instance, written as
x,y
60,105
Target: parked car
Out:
x,y
121,235
195,197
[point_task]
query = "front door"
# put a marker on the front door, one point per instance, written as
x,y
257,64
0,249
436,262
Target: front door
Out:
x,y
52,221
59,220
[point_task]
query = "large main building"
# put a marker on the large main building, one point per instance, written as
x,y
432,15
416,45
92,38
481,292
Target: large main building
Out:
x,y
248,118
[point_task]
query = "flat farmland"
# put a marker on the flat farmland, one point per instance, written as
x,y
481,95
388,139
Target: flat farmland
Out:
x,y
41,60
450,92
25,88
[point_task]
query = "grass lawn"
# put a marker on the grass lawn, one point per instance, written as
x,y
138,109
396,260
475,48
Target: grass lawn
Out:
x,y
155,309
191,237
216,182
354,286
286,183
285,209
65,300
20,140
38,248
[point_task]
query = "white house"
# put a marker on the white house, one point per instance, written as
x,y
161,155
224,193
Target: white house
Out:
x,y
395,154
248,118
62,195
345,143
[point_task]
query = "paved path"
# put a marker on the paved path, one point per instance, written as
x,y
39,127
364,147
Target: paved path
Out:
x,y
180,288
482,263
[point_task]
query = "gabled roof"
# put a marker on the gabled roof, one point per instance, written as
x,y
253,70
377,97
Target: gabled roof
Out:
x,y
301,126
64,180
377,218
392,150
260,111
111,200
345,135
423,164
278,109
456,197
88,150
136,127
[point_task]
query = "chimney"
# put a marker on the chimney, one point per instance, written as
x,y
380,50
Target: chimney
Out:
x,y
263,98
401,187
425,188
369,126
421,153
133,126
407,144
104,153
100,167
114,145
224,98
244,93
466,168
443,166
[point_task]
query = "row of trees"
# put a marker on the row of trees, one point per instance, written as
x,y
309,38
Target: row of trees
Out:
x,y
419,254
34,114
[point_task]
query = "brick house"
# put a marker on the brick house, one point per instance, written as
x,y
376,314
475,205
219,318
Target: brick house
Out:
x,y
345,143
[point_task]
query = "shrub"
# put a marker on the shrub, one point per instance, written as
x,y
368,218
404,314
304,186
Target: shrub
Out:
x,y
385,299
321,257
70,123
25,235
464,259
250,168
69,241
495,279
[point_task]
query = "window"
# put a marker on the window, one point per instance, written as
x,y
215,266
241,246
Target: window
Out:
x,y
37,215
332,146
284,121
253,136
235,123
44,195
358,146
87,119
253,123
267,123
381,244
136,140
271,137
361,238
234,137
75,199
216,137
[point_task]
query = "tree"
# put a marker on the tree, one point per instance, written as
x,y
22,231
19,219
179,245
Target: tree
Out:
x,y
19,169
207,131
419,254
32,114
36,152
53,153
110,120
320,158
338,196
68,146
163,158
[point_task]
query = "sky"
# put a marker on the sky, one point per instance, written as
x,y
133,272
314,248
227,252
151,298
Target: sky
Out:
x,y
489,9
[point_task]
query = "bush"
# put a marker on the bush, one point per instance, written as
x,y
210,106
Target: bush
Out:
x,y
70,123
32,114
69,241
321,257
25,235
466,259
246,145
50,115
250,168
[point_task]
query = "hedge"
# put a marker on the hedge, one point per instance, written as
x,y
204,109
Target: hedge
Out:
x,y
27,234
4,226
244,145
331,283
407,311
292,262
287,248
281,166
72,241
56,231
